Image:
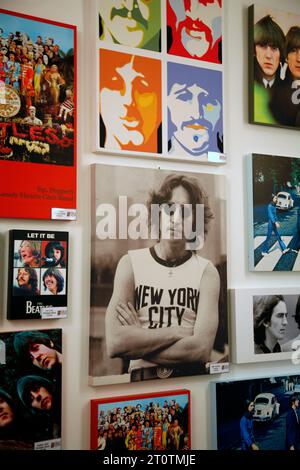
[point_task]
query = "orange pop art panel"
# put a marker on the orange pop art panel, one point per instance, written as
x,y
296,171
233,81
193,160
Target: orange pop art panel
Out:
x,y
130,102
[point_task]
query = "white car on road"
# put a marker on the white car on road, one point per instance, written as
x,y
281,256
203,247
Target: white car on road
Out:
x,y
284,201
265,408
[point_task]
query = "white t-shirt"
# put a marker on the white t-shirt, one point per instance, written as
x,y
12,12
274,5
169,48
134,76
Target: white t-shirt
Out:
x,y
165,296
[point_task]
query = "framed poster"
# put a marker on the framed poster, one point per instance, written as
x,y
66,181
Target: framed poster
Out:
x,y
30,389
37,118
152,100
158,239
274,212
153,421
265,324
256,413
37,275
274,90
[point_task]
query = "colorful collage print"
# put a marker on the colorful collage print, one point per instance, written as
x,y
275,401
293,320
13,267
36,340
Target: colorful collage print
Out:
x,y
37,117
160,83
42,264
158,421
37,69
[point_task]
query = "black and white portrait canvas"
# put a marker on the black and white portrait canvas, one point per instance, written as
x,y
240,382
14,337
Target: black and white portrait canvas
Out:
x,y
265,324
158,275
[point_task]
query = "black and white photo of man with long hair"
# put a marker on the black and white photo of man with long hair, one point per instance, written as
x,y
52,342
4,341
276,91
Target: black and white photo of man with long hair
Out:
x,y
163,315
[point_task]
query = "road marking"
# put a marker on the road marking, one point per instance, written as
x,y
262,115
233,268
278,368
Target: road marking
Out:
x,y
258,241
296,266
268,262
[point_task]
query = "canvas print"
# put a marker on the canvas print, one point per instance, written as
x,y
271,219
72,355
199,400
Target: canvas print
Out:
x,y
194,29
265,324
130,102
30,390
274,74
195,112
154,421
37,275
274,212
135,23
257,414
37,116
158,275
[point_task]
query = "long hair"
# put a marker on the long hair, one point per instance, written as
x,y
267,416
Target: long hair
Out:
x,y
23,340
292,39
49,252
59,278
268,33
262,312
196,194
33,279
35,248
297,313
30,383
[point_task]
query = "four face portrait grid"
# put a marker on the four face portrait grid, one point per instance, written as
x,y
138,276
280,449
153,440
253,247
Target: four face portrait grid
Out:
x,y
50,274
160,87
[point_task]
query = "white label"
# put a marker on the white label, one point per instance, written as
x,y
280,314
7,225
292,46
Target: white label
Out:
x,y
218,367
52,444
63,214
2,352
216,157
53,312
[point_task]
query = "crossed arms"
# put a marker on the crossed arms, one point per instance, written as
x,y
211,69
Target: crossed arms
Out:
x,y
164,346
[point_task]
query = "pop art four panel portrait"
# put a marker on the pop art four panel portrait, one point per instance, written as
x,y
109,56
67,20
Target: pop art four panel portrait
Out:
x,y
160,79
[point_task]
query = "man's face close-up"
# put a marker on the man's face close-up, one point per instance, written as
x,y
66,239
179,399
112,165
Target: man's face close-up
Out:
x,y
42,355
278,323
199,24
194,114
175,214
6,413
293,61
51,283
41,398
268,58
56,254
23,278
128,90
130,22
26,252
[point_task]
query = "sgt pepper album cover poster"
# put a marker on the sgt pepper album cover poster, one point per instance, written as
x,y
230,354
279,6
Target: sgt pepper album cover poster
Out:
x,y
158,266
38,275
153,421
37,118
30,389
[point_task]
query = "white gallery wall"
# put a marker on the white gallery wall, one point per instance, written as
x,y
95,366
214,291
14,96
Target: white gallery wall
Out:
x,y
240,137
